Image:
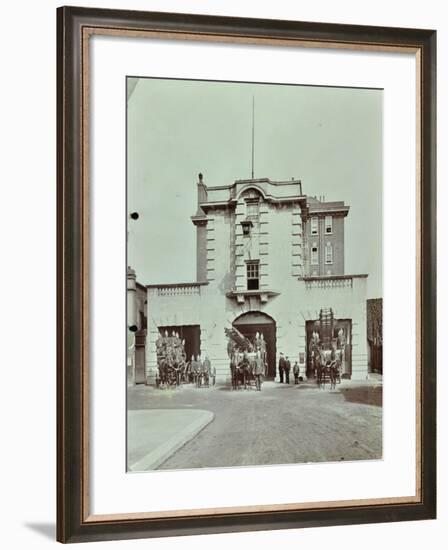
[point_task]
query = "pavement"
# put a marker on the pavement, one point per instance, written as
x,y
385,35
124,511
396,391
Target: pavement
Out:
x,y
154,435
216,427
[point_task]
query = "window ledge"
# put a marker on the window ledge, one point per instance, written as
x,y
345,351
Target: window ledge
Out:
x,y
241,295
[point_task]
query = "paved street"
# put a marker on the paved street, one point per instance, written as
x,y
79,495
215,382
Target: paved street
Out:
x,y
155,434
282,424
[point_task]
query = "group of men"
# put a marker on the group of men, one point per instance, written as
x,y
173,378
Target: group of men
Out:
x,y
171,360
200,372
284,368
173,366
247,358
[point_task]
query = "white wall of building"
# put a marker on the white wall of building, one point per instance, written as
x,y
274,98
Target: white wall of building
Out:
x,y
298,302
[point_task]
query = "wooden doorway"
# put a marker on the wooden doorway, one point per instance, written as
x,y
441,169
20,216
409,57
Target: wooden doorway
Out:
x,y
255,321
140,357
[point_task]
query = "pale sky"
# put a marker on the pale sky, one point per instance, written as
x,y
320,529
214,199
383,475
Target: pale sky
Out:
x,y
329,138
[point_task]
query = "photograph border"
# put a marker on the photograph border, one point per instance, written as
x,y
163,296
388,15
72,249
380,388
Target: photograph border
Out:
x,y
75,26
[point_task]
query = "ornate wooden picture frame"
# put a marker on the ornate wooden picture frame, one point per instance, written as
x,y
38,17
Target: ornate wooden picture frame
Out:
x,y
76,27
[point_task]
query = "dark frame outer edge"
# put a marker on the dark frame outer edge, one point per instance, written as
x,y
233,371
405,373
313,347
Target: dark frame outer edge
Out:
x,y
429,276
70,524
69,280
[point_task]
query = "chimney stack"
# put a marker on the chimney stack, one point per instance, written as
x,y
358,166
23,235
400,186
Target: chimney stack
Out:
x,y
202,194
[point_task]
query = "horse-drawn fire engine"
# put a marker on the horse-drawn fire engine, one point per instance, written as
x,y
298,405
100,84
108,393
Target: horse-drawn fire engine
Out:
x,y
171,359
326,352
247,359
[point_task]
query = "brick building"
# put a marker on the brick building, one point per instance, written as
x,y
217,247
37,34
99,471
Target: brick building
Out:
x,y
269,259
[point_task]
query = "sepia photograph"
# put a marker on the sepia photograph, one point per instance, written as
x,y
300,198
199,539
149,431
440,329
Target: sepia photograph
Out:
x,y
254,274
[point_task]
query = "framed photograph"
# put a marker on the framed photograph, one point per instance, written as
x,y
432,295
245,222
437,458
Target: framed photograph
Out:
x,y
246,274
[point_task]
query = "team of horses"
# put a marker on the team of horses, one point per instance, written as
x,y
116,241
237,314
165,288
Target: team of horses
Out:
x,y
177,373
327,366
247,359
245,370
247,364
171,373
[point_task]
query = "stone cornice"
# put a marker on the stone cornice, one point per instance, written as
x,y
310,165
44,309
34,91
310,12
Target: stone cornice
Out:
x,y
335,277
241,295
175,285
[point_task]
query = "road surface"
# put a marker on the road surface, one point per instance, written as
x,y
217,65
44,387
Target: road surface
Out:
x,y
282,424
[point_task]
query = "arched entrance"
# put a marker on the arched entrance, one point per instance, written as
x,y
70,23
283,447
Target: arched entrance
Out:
x,y
255,321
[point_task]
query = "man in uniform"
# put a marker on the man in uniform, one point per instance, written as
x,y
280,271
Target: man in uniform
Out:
x,y
206,370
281,367
287,369
193,370
190,370
258,370
213,374
199,371
263,354
296,371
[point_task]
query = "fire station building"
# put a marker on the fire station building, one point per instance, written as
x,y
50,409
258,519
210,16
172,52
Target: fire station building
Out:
x,y
270,259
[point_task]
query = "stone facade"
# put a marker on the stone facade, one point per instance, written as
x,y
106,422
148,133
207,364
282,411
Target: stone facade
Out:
x,y
255,259
324,231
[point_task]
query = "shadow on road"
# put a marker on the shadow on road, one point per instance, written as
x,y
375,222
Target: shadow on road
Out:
x,y
302,386
366,395
269,385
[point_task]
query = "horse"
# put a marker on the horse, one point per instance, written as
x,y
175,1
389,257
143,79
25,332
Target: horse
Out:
x,y
322,373
238,369
328,368
338,356
170,372
242,369
322,365
236,375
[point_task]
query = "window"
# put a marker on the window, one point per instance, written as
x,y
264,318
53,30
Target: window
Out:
x,y
314,254
328,224
314,226
252,209
253,275
328,253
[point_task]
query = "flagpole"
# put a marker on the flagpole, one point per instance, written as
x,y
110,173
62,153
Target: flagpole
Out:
x,y
253,134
